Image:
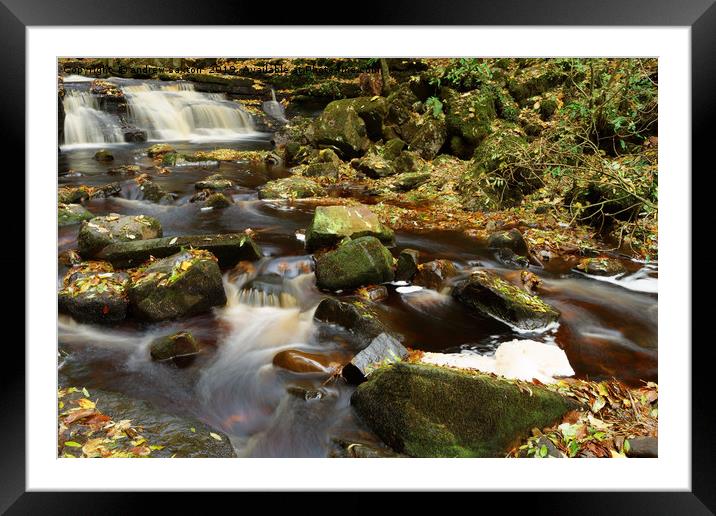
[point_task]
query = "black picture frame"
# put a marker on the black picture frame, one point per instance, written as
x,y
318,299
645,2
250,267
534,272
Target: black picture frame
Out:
x,y
699,15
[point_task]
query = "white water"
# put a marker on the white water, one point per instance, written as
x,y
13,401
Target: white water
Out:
x,y
85,123
174,112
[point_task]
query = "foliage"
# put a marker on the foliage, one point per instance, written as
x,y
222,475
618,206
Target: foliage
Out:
x,y
463,74
435,106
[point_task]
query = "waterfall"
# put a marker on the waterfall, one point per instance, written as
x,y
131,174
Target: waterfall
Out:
x,y
273,109
174,111
85,123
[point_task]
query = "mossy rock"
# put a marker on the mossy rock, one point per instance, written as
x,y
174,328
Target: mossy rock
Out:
x,y
219,200
187,283
92,292
601,266
340,127
152,192
214,182
428,411
295,187
329,170
430,136
353,315
375,166
400,104
392,148
490,295
372,110
469,115
103,155
533,81
159,149
407,265
331,224
68,214
177,345
97,233
411,180
408,161
73,194
363,261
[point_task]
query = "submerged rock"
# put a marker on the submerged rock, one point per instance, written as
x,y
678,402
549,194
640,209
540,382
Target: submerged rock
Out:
x,y
97,233
229,249
68,214
358,262
331,224
353,316
382,350
407,265
339,126
428,411
179,347
295,187
489,294
93,292
186,283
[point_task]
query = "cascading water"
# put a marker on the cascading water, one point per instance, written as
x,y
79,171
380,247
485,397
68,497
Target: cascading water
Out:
x,y
86,123
175,111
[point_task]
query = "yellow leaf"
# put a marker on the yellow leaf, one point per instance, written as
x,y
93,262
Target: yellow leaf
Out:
x,y
215,436
85,403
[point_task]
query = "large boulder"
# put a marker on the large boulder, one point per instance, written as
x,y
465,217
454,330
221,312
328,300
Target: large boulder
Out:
x,y
468,115
68,214
94,292
358,262
295,187
229,249
429,137
186,283
428,411
331,224
372,110
97,233
340,127
489,294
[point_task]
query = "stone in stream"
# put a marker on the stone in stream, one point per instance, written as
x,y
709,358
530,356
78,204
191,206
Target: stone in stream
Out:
x,y
340,127
103,155
125,170
512,240
159,149
93,292
80,193
601,266
435,274
228,248
489,294
184,284
383,350
97,233
407,265
345,449
303,362
354,316
153,192
214,182
68,214
219,200
363,261
430,411
180,347
331,224
295,187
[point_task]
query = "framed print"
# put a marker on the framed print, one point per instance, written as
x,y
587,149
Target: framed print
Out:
x,y
441,244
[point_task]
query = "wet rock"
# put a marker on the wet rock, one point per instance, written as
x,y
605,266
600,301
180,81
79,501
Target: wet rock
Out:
x,y
179,347
68,214
125,170
375,166
304,362
93,292
219,200
643,447
99,232
159,149
407,265
73,194
511,259
321,170
435,274
411,180
69,258
154,193
214,182
184,284
344,449
353,316
512,240
229,249
272,160
331,224
373,293
393,148
382,351
103,155
363,261
489,294
429,137
134,135
601,266
107,190
339,126
428,411
295,187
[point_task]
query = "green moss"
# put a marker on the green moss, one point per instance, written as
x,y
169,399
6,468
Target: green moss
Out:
x,y
428,411
355,263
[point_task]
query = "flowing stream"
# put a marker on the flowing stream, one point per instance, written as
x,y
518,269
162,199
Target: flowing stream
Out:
x,y
607,328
